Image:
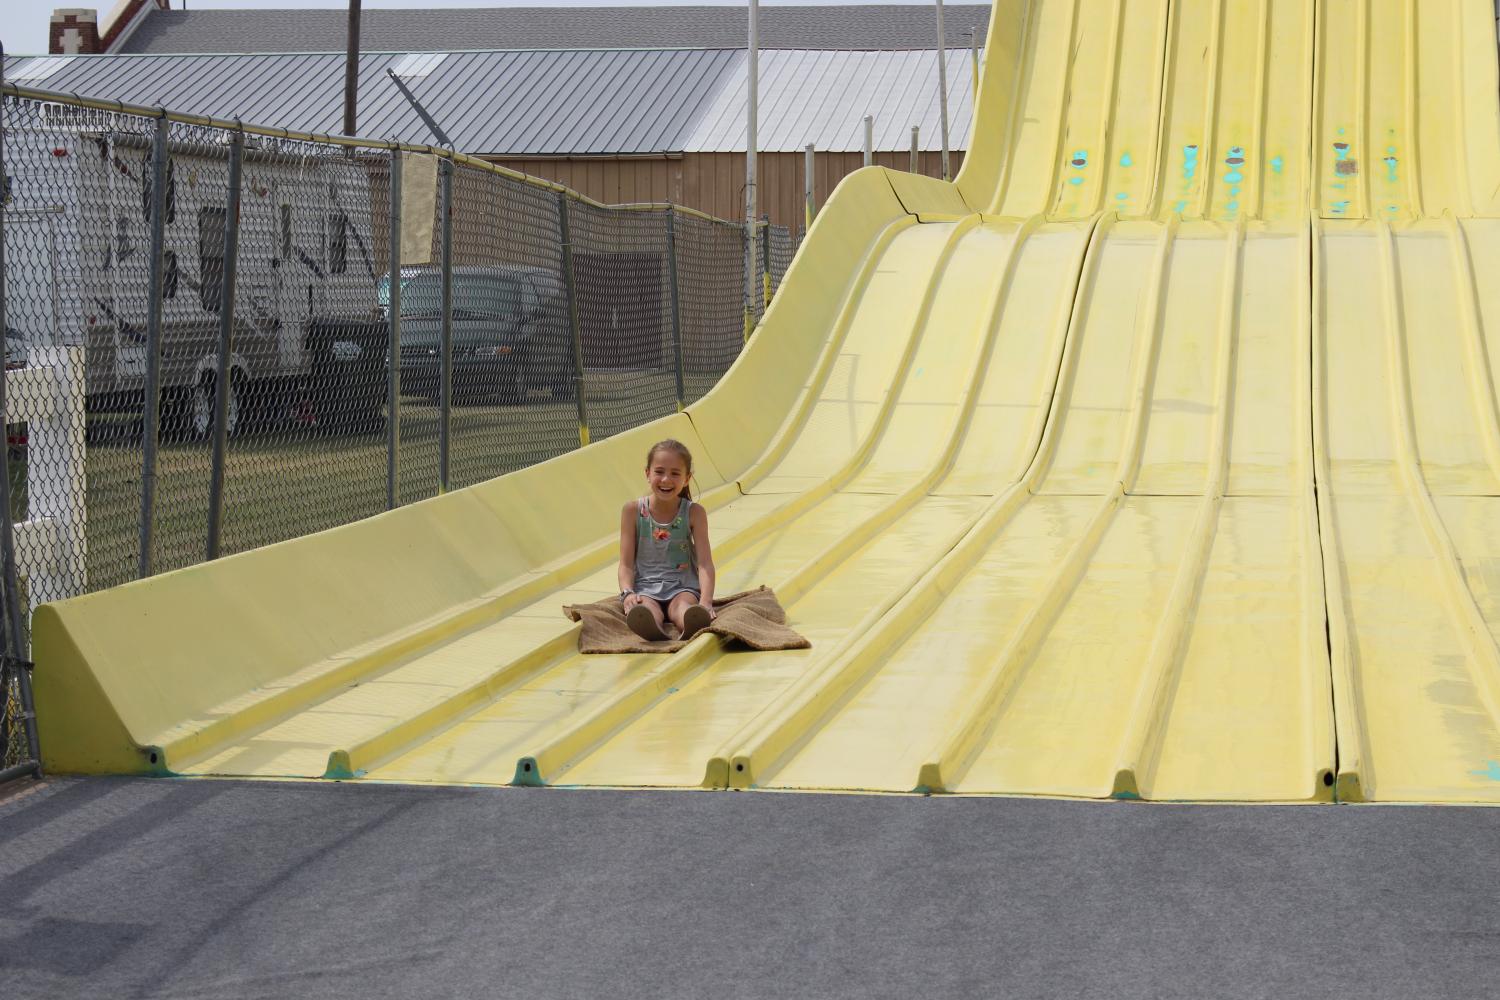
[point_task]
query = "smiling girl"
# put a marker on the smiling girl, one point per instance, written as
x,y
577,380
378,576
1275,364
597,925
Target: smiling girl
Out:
x,y
666,564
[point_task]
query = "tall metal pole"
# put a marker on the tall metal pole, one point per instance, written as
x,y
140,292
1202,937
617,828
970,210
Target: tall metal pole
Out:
x,y
752,75
7,531
916,148
676,316
393,351
14,616
445,387
570,285
942,54
974,60
222,386
151,399
351,71
869,139
809,165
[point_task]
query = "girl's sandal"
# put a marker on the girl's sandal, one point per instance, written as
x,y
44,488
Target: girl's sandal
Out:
x,y
643,623
694,620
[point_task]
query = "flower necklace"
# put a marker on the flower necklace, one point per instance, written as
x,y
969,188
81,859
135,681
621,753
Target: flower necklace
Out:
x,y
658,531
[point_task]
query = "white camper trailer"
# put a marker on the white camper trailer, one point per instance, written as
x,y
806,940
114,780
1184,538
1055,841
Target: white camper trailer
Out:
x,y
78,239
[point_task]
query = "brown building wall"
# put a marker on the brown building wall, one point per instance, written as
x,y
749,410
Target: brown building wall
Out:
x,y
715,182
614,181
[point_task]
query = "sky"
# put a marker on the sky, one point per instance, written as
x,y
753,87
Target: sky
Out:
x,y
25,28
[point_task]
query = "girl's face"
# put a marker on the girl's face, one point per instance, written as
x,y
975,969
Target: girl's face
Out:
x,y
667,474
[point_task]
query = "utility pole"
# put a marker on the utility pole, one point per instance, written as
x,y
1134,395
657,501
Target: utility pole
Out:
x,y
752,70
351,71
942,54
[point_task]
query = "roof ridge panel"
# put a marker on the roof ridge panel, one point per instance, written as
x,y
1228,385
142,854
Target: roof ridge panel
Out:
x,y
666,133
646,99
450,92
819,71
886,103
786,72
882,107
647,91
836,108
697,90
560,102
722,90
715,114
895,26
587,129
516,114
318,114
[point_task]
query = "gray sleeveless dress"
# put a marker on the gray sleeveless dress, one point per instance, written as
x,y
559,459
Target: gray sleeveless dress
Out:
x,y
665,564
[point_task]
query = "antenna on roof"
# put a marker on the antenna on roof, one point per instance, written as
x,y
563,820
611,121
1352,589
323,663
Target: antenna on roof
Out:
x,y
411,98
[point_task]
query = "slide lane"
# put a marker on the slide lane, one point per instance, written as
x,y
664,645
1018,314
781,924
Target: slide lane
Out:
x,y
668,735
1407,418
1150,109
556,699
1076,129
1406,114
1109,640
1234,118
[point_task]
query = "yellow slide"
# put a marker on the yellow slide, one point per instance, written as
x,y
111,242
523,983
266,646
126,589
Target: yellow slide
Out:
x,y
1157,457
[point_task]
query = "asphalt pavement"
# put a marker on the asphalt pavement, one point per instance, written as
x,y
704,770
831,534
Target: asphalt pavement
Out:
x,y
232,889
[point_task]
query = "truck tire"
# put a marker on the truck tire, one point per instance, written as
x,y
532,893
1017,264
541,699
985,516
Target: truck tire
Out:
x,y
347,374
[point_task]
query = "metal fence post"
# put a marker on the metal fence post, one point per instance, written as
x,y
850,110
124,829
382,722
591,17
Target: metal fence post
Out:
x,y
809,164
916,148
393,351
676,306
869,139
747,266
570,283
445,388
14,617
151,404
226,344
765,262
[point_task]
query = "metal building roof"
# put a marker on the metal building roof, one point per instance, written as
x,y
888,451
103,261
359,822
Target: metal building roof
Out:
x,y
580,102
847,26
822,97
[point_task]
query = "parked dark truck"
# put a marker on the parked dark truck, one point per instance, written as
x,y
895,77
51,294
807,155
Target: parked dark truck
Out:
x,y
510,332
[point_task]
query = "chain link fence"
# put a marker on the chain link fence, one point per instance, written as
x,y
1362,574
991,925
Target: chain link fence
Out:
x,y
327,328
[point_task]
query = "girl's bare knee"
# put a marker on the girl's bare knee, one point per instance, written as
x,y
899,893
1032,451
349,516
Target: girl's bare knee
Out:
x,y
678,607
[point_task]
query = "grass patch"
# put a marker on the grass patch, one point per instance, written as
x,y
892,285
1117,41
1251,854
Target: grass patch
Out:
x,y
294,480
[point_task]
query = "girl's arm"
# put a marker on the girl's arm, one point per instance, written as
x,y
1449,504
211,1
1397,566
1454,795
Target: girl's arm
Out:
x,y
627,553
698,523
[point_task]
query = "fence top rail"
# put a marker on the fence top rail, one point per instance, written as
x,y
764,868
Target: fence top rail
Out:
x,y
352,142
